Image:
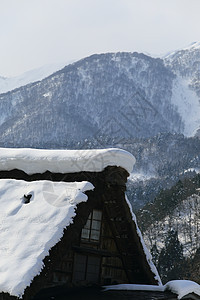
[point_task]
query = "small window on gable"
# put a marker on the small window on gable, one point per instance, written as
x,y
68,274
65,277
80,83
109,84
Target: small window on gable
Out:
x,y
91,230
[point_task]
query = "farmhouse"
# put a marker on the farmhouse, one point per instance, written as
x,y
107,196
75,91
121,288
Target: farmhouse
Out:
x,y
65,221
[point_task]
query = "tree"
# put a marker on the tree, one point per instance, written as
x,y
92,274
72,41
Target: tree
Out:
x,y
171,258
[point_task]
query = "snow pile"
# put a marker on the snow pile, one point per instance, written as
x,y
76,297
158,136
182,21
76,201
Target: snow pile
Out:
x,y
146,251
64,161
180,287
29,230
183,287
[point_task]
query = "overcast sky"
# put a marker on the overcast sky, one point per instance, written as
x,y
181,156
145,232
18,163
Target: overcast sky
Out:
x,y
38,32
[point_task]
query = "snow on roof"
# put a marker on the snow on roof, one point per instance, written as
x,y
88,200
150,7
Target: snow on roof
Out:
x,y
29,230
146,251
64,161
180,287
183,287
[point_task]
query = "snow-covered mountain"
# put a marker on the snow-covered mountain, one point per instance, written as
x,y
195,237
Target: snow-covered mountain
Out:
x,y
11,83
114,94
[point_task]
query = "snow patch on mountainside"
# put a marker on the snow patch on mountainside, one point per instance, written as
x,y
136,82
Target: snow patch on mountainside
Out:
x,y
188,105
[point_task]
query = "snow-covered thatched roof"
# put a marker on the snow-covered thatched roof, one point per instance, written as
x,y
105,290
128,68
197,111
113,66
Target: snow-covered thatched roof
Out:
x,y
64,161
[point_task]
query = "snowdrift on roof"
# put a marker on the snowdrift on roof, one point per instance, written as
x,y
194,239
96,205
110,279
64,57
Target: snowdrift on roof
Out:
x,y
29,231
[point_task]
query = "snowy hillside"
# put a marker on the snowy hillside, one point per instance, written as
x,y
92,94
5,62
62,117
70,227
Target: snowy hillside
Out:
x,y
185,219
188,105
170,226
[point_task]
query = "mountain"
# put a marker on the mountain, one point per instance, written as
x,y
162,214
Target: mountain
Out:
x,y
115,94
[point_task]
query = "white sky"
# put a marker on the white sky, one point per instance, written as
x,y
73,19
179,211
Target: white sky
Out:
x,y
38,32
